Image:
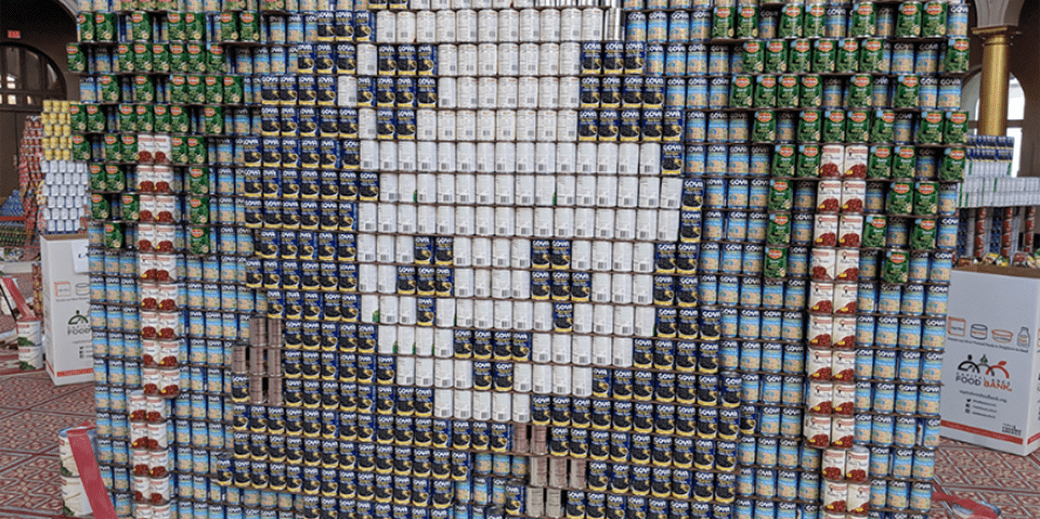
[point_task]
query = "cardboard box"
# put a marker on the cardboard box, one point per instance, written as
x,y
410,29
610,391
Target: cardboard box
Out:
x,y
991,393
66,308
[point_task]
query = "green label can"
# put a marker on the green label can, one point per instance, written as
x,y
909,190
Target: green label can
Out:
x,y
903,161
811,91
872,56
215,62
926,198
96,120
113,235
161,116
790,24
908,90
145,118
799,58
234,91
933,20
81,148
882,129
765,91
142,57
213,119
85,26
951,168
129,147
815,20
776,56
809,126
140,26
195,57
747,21
198,240
177,89
131,207
955,61
722,22
196,150
178,58
198,180
144,89
194,26
774,261
857,126
764,126
178,149
97,177
908,20
847,59
229,26
104,26
753,53
922,234
860,91
929,128
740,91
113,148
879,162
110,91
824,55
955,127
875,229
195,90
179,119
787,92
833,129
781,193
77,62
77,117
782,164
125,57
160,57
862,20
198,210
214,86
99,207
808,164
249,26
778,229
900,199
175,26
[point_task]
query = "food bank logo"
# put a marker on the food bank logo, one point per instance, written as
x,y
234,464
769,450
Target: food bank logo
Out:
x,y
983,374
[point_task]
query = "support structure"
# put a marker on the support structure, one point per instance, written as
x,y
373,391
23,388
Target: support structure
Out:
x,y
993,99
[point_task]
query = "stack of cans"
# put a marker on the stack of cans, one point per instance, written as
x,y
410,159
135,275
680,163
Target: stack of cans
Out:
x,y
460,259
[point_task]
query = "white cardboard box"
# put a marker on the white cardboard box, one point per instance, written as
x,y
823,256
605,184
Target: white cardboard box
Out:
x,y
991,393
66,309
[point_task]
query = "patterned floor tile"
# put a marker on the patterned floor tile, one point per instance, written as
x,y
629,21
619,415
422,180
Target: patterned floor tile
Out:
x,y
79,402
34,432
25,391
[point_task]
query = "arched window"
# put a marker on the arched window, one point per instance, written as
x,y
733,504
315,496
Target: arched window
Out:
x,y
1016,111
27,77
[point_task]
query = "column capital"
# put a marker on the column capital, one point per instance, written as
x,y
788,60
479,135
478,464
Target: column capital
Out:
x,y
996,34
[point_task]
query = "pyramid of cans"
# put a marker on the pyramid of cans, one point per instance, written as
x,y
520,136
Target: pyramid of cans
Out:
x,y
456,258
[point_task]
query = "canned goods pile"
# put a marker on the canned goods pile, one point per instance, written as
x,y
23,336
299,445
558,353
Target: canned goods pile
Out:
x,y
61,188
474,259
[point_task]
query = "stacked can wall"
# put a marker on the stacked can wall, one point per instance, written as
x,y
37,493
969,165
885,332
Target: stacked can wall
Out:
x,y
486,259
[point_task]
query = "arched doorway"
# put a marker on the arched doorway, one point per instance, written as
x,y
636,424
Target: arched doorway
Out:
x,y
27,77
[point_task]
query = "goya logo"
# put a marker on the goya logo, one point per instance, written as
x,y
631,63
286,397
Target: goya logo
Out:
x,y
983,374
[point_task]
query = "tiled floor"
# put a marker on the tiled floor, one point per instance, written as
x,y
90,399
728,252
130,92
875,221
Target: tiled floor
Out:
x,y
33,410
1010,482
